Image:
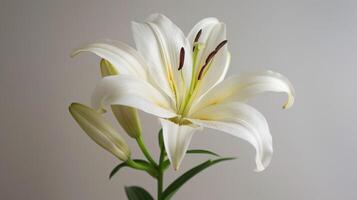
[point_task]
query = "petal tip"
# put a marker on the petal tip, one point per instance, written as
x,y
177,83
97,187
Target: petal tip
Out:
x,y
155,16
289,103
260,167
259,170
74,53
176,168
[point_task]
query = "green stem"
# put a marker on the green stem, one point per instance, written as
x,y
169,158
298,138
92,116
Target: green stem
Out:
x,y
160,177
145,151
160,183
162,166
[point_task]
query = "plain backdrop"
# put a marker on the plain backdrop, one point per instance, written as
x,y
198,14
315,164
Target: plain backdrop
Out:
x,y
45,155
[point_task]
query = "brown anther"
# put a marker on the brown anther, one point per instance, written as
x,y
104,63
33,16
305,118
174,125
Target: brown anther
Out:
x,y
182,58
198,35
213,53
210,56
208,59
201,71
224,42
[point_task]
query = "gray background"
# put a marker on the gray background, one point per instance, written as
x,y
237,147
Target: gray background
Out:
x,y
44,154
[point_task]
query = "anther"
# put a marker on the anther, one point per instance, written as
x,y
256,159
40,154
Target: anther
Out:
x,y
210,56
201,71
182,58
221,45
198,35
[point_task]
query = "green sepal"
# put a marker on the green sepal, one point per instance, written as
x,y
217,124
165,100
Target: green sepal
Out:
x,y
174,186
137,193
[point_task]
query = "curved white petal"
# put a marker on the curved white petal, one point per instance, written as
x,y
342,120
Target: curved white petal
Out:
x,y
126,59
133,92
242,121
160,41
176,139
242,87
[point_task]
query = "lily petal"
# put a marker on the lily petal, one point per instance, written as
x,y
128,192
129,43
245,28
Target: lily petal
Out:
x,y
243,87
176,139
242,121
123,57
160,41
129,91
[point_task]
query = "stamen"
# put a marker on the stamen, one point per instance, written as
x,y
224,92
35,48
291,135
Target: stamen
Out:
x,y
210,57
201,71
221,45
198,35
182,58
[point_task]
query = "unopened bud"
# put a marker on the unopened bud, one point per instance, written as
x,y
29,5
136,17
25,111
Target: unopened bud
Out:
x,y
97,128
127,117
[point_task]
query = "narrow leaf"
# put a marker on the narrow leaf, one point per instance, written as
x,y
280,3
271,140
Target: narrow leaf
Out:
x,y
124,164
174,186
137,193
202,151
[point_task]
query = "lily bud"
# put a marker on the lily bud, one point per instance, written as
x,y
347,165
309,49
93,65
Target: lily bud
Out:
x,y
127,117
97,128
107,69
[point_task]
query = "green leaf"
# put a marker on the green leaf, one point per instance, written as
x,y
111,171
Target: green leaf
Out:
x,y
174,186
124,164
202,151
166,163
137,193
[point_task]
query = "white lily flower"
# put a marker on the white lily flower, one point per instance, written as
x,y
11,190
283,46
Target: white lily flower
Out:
x,y
181,80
